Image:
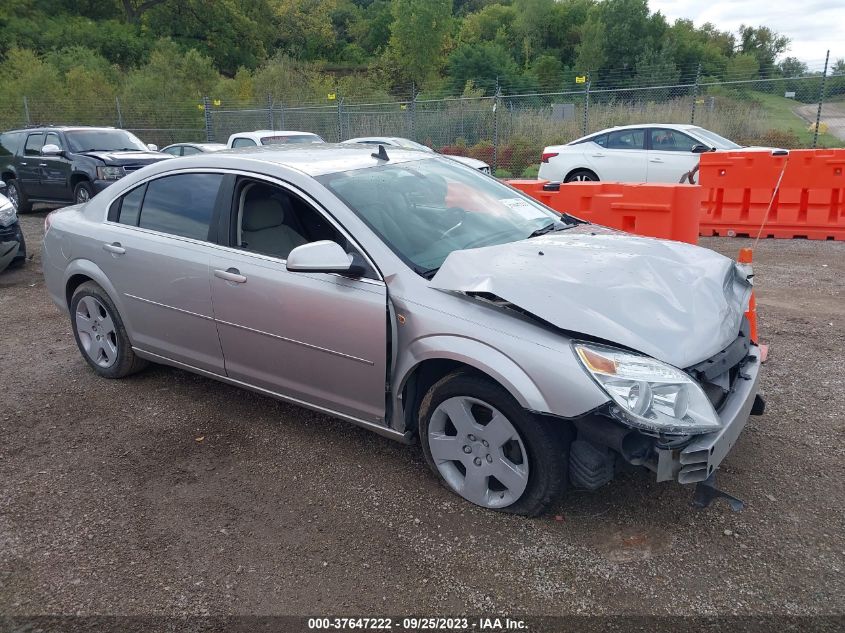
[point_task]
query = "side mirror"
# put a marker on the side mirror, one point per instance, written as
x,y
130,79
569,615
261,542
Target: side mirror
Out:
x,y
152,147
2,184
324,256
51,150
701,149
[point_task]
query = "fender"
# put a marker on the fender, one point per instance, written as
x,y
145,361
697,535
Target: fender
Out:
x,y
90,269
474,354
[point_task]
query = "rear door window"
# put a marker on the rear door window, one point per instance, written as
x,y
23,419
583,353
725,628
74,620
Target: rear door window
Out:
x,y
626,139
34,143
180,205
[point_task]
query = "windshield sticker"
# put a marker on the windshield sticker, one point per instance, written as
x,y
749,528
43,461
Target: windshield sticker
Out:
x,y
525,209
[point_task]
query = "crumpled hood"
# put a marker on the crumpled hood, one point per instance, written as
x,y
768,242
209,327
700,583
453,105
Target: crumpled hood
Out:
x,y
129,158
673,301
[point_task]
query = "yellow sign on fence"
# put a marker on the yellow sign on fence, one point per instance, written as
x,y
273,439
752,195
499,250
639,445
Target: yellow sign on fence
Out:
x,y
581,79
332,96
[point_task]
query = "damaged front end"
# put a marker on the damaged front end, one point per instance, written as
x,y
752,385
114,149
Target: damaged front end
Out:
x,y
605,440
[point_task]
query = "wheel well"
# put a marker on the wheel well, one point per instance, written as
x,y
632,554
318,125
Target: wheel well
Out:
x,y
75,179
577,169
421,380
72,284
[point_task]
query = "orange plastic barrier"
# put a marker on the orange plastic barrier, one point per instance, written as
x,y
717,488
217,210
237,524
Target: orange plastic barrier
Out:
x,y
738,188
657,210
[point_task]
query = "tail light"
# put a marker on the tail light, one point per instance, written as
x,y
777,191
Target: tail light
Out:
x,y
548,155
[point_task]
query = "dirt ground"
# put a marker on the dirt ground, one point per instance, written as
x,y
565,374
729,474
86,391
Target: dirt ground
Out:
x,y
168,493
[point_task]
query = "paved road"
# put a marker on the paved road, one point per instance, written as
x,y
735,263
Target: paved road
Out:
x,y
832,113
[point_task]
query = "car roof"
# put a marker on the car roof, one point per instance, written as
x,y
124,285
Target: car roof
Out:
x,y
312,159
65,128
669,126
261,133
192,144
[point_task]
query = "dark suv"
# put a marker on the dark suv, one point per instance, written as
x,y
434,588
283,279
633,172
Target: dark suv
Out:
x,y
60,165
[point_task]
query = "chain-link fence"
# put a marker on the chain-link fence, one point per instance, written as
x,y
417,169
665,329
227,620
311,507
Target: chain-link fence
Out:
x,y
506,129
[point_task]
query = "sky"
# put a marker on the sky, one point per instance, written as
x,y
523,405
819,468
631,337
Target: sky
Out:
x,y
813,26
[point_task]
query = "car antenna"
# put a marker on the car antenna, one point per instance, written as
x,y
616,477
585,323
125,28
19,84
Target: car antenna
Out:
x,y
381,154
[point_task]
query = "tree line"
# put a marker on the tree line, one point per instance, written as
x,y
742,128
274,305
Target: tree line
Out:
x,y
88,51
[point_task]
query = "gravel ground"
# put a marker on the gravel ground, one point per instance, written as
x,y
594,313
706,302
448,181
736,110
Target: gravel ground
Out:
x,y
172,494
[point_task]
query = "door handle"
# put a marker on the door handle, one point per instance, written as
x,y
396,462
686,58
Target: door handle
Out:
x,y
24,164
655,160
115,248
42,164
598,155
231,274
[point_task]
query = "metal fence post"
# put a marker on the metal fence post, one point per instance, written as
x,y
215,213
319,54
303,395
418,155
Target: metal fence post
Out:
x,y
270,112
695,93
209,130
26,111
495,164
340,120
587,105
821,101
412,124
119,113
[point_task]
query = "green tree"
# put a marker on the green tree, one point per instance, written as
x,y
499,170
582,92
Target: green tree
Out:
x,y
792,67
764,44
742,67
481,64
548,70
418,36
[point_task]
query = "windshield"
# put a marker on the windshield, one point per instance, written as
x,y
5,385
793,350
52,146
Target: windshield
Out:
x,y
291,140
713,139
103,140
425,209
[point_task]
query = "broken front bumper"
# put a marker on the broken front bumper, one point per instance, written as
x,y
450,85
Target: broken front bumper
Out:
x,y
701,457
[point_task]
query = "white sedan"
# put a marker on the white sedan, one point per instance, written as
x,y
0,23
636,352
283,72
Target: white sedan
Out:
x,y
407,143
632,153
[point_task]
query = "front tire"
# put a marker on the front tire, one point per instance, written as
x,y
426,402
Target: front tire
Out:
x,y
581,175
17,196
83,192
100,333
486,448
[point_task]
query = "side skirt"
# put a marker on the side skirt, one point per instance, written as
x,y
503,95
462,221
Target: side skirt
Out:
x,y
404,438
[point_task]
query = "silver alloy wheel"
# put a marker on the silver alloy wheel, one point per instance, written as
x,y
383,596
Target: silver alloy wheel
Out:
x,y
478,452
96,331
14,195
82,195
583,178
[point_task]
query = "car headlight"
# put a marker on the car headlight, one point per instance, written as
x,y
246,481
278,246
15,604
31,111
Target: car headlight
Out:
x,y
649,395
8,215
110,172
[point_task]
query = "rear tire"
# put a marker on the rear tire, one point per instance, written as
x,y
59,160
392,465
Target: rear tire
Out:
x,y
17,196
581,175
100,333
464,411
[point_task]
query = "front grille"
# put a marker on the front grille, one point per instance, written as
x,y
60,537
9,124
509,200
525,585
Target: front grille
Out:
x,y
717,374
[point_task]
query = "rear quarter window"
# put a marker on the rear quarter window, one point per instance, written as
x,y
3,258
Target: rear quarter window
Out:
x,y
10,143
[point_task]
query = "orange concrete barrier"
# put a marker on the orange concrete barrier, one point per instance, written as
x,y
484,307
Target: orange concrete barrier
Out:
x,y
667,211
738,188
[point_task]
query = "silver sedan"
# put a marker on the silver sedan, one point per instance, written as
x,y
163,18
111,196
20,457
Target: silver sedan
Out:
x,y
527,351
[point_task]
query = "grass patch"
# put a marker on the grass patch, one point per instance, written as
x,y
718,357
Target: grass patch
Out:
x,y
780,115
